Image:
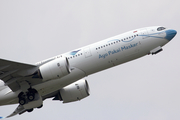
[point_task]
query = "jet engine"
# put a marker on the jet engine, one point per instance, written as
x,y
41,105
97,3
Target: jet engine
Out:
x,y
73,92
56,68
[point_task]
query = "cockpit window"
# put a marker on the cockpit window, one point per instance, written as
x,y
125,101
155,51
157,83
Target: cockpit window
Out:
x,y
160,28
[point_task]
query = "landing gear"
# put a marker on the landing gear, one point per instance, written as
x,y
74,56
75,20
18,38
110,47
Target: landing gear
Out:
x,y
30,99
30,110
40,106
28,96
22,98
22,101
31,94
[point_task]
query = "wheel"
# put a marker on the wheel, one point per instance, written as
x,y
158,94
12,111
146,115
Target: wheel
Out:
x,y
22,101
31,96
30,110
40,106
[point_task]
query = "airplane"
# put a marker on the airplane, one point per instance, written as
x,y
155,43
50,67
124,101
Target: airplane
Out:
x,y
63,77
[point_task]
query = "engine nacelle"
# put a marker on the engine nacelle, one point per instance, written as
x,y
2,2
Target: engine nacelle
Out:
x,y
74,92
56,68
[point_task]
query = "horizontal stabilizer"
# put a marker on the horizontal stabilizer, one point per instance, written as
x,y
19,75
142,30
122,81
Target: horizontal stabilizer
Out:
x,y
19,110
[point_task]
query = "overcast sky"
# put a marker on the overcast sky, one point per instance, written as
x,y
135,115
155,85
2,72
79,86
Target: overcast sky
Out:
x,y
145,89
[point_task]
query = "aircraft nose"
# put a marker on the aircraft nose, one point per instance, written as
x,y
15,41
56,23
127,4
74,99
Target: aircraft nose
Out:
x,y
170,34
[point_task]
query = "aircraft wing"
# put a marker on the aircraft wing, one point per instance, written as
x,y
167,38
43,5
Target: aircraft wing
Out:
x,y
14,72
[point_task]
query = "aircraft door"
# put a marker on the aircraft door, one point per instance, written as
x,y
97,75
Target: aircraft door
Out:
x,y
87,52
144,34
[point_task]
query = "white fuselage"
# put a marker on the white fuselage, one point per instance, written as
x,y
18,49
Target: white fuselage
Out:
x,y
100,56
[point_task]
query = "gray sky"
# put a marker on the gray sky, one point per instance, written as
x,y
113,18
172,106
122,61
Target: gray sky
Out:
x,y
144,89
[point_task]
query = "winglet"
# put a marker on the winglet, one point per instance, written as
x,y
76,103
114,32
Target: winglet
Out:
x,y
1,117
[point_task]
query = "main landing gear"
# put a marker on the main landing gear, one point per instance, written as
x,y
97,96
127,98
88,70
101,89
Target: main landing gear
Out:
x,y
27,97
30,99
